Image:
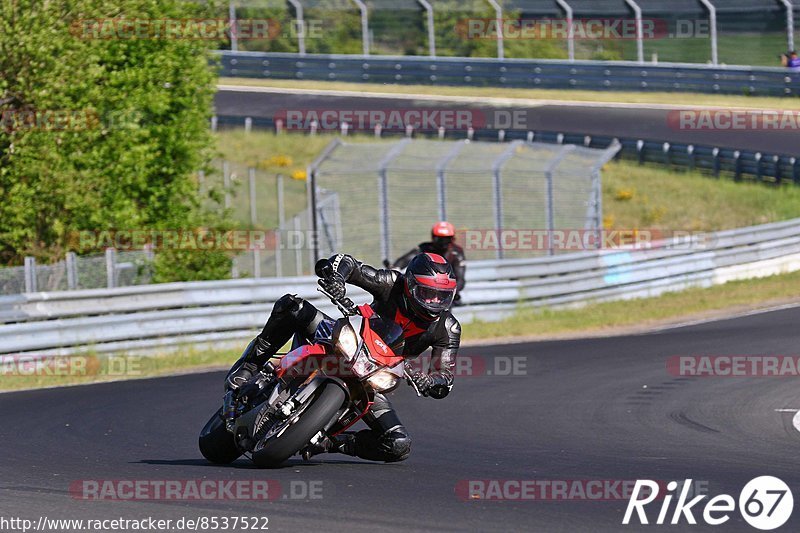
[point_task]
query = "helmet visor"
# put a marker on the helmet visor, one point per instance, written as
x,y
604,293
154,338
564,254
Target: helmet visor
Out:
x,y
433,299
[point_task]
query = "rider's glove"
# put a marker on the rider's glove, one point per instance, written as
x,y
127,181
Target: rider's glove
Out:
x,y
334,286
422,382
242,374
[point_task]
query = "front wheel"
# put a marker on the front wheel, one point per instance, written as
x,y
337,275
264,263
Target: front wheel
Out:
x,y
216,443
329,398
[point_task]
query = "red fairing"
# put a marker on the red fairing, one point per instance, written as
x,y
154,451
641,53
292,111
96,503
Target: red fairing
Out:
x,y
378,350
436,258
299,355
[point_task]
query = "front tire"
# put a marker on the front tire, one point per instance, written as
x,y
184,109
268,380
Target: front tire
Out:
x,y
216,443
276,451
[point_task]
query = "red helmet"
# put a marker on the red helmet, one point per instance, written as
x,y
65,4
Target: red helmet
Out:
x,y
430,285
443,229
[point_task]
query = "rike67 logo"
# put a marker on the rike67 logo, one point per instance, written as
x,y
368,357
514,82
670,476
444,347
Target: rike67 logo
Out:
x,y
765,503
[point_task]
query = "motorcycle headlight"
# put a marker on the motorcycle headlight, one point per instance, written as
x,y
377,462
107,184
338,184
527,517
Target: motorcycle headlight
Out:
x,y
382,381
347,342
362,366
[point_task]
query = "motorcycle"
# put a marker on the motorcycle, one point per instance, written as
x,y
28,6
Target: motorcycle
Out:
x,y
316,391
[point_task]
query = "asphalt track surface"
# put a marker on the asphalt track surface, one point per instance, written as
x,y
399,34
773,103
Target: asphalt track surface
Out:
x,y
579,411
635,122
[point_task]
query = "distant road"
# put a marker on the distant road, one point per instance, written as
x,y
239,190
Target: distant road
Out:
x,y
624,120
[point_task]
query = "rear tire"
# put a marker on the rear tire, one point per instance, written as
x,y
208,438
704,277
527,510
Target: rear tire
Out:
x,y
276,451
216,444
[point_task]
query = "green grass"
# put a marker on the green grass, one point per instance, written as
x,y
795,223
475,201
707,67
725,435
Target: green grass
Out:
x,y
694,99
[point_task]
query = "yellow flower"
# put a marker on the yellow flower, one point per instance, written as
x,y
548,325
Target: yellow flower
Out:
x,y
624,195
299,175
608,222
277,161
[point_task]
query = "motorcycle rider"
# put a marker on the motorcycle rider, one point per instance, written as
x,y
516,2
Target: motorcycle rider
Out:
x,y
442,243
419,301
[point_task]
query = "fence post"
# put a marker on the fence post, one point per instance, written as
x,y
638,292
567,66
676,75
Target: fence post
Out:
x,y
251,179
234,26
712,20
72,271
497,190
30,274
298,253
550,207
111,264
226,183
279,232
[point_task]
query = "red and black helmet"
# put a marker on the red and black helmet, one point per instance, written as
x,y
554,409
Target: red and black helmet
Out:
x,y
430,285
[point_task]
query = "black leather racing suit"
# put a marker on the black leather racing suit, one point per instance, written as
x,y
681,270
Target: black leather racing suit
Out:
x,y
387,439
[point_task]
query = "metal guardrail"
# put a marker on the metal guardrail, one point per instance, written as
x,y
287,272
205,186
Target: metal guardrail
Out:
x,y
529,73
159,317
739,163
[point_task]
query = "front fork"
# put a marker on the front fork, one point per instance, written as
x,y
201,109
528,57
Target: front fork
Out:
x,y
233,401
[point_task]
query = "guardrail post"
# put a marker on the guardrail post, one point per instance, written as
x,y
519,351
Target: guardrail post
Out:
x,y
712,20
570,30
71,263
640,151
214,122
637,11
690,152
431,33
737,175
778,170
248,124
795,171
301,26
498,11
111,267
234,26
362,7
667,148
716,165
789,22
30,274
759,175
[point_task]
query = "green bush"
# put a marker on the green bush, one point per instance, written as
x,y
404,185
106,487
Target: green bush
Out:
x,y
138,113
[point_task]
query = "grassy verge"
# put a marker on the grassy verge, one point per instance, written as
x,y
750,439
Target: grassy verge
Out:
x,y
594,318
693,99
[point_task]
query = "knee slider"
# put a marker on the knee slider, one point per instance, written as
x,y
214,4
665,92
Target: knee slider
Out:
x,y
397,445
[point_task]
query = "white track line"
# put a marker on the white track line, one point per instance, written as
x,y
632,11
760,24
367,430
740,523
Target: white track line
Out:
x,y
493,101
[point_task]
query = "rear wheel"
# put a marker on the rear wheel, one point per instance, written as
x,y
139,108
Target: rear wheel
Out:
x,y
329,398
216,443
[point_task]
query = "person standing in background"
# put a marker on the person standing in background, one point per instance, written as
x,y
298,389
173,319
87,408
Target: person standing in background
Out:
x,y
442,243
